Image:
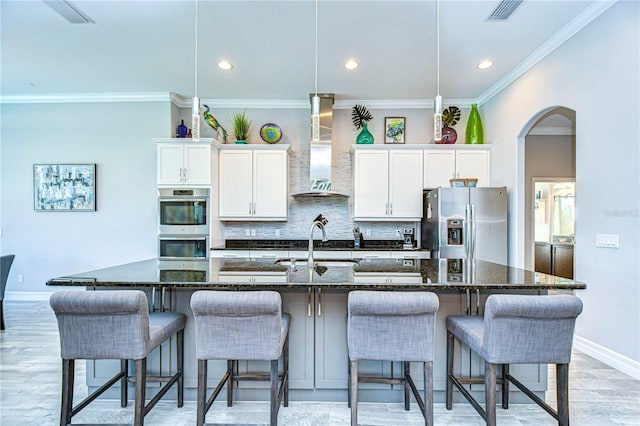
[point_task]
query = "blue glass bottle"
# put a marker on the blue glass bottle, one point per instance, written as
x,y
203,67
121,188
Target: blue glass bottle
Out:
x,y
181,131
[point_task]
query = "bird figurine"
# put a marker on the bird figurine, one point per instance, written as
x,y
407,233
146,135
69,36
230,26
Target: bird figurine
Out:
x,y
213,123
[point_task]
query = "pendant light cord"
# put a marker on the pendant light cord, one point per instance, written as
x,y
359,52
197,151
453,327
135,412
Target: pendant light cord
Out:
x,y
195,77
316,51
438,47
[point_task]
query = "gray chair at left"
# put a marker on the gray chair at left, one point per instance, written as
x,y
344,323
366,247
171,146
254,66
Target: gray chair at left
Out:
x,y
7,260
115,325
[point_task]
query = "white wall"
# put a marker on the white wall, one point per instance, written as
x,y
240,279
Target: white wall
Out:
x,y
596,74
115,136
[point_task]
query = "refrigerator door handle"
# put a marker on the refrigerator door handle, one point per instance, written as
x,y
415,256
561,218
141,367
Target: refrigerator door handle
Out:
x,y
467,231
473,231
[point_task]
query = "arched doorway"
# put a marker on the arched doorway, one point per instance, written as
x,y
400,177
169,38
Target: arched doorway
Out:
x,y
546,152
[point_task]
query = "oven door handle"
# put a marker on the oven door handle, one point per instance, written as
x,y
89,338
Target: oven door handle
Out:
x,y
182,199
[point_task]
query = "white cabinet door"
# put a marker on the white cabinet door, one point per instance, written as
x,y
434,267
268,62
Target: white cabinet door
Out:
x,y
371,184
169,164
439,167
197,164
236,183
473,164
270,184
183,164
405,184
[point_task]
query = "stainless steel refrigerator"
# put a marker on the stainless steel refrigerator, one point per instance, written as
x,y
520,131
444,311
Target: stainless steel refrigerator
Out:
x,y
466,223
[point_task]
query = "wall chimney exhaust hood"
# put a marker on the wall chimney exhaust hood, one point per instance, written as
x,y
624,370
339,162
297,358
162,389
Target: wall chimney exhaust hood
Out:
x,y
320,155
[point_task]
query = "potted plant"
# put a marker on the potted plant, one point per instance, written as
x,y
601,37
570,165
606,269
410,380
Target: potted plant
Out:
x,y
361,116
450,117
241,125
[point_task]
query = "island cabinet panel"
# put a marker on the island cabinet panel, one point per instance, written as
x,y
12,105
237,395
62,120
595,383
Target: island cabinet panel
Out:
x,y
253,184
387,184
182,163
442,164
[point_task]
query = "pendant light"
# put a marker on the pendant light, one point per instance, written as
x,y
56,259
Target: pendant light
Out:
x,y
195,107
315,100
437,102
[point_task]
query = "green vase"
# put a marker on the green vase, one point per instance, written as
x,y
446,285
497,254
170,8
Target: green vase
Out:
x,y
365,137
474,134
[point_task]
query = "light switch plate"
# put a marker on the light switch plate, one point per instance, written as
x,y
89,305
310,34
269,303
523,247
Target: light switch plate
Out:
x,y
607,240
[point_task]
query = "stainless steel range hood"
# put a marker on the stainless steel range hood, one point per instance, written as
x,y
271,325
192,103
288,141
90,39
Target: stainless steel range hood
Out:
x,y
320,155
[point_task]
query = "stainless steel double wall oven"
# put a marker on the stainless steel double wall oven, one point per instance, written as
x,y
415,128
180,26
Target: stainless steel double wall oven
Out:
x,y
183,223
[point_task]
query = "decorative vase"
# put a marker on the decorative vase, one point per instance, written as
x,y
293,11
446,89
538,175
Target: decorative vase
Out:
x,y
365,137
474,133
181,131
241,142
449,135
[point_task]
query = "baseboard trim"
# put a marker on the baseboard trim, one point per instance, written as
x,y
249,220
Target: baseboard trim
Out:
x,y
609,357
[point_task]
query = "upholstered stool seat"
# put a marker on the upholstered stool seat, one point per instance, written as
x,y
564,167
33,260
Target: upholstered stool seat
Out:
x,y
516,329
115,325
241,325
392,326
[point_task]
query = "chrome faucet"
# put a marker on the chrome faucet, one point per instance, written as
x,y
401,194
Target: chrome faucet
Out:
x,y
320,222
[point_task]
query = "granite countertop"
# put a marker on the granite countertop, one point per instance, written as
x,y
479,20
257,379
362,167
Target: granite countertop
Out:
x,y
317,245
398,274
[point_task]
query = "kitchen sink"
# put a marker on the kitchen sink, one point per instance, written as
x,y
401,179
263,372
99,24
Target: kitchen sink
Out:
x,y
319,262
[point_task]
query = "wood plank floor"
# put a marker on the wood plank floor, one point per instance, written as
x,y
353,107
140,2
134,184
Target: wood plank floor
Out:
x,y
30,392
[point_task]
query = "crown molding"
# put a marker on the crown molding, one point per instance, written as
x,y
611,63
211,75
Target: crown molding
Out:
x,y
400,103
182,102
62,98
579,22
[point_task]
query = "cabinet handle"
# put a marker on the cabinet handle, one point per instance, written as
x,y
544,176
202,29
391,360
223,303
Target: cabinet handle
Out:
x,y
309,295
386,208
249,208
254,208
390,209
319,301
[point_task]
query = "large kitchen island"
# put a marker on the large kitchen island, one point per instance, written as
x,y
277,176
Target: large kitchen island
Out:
x,y
316,298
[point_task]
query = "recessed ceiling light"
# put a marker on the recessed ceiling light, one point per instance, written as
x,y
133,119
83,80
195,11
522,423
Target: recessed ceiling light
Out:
x,y
485,64
351,64
225,65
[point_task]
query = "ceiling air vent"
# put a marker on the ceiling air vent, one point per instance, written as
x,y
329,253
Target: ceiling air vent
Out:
x,y
68,11
504,10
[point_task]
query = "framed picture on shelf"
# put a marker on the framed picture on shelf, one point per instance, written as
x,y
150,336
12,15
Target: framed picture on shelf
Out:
x,y
394,129
64,187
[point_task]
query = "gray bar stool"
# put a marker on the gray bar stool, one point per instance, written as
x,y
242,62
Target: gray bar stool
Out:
x,y
241,325
392,326
114,325
516,330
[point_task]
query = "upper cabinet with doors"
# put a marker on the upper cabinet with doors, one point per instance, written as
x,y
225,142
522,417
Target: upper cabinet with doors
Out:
x,y
387,183
444,162
254,182
183,162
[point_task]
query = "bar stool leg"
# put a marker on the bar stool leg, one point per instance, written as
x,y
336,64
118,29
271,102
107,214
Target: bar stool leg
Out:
x,y
407,396
202,391
285,364
490,392
428,393
449,391
230,371
349,383
141,385
562,392
124,383
273,394
354,393
180,366
505,386
67,391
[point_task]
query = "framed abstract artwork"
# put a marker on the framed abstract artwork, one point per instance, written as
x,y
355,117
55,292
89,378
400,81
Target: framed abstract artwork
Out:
x,y
64,187
394,129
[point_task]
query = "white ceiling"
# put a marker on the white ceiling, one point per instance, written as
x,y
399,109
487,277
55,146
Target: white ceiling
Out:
x,y
148,46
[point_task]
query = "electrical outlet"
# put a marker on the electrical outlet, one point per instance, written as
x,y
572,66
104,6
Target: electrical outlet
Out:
x,y
398,233
367,232
277,232
247,232
253,232
20,278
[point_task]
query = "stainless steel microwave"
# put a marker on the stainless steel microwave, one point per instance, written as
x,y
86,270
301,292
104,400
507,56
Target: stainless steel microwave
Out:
x,y
183,211
183,247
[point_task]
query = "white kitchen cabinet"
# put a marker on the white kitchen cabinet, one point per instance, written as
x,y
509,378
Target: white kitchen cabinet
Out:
x,y
184,163
253,183
387,184
442,164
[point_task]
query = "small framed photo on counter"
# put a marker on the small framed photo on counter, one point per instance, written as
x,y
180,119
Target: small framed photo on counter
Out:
x,y
394,129
64,187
